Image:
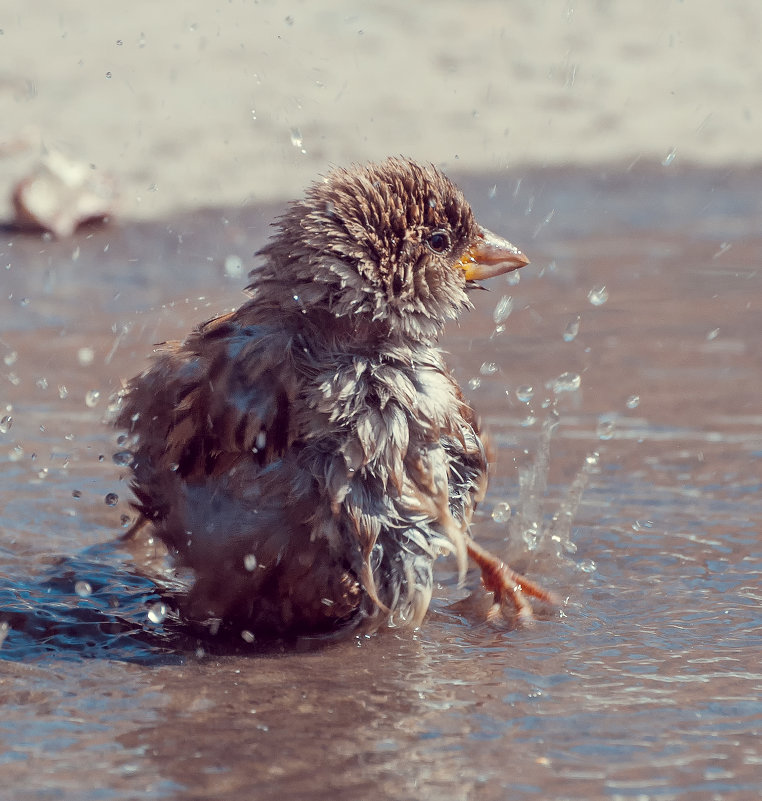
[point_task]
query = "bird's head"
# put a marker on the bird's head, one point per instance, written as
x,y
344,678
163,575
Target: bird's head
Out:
x,y
394,245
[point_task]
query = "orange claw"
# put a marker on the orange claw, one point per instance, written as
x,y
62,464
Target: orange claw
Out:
x,y
507,585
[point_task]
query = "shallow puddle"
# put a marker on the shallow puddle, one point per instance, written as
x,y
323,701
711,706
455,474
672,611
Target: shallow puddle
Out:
x,y
645,685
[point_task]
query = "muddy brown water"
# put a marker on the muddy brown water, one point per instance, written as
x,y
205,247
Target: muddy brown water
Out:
x,y
646,684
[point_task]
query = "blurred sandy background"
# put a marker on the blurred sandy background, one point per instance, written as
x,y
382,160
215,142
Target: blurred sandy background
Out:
x,y
203,103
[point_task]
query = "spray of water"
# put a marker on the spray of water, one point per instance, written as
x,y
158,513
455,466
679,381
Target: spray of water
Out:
x,y
533,530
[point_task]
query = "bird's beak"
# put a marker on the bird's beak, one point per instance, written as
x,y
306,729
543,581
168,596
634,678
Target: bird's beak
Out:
x,y
490,255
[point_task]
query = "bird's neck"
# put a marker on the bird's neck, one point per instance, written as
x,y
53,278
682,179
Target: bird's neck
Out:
x,y
328,333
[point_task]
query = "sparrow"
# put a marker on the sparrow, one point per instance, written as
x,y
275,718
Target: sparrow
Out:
x,y
309,455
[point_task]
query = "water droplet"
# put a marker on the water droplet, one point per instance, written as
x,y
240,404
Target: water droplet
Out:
x,y
157,612
83,589
111,499
633,402
92,398
525,393
62,392
512,278
501,512
669,158
24,302
474,383
5,424
724,248
587,566
712,334
85,356
592,459
488,368
605,428
598,295
503,309
566,382
297,141
642,525
531,536
233,266
76,493
123,458
261,440
528,421
247,636
125,520
570,334
108,75
10,358
119,42
250,562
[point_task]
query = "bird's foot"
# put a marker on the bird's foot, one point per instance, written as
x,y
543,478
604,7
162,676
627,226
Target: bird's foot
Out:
x,y
509,588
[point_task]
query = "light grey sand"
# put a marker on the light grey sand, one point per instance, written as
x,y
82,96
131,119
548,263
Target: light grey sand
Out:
x,y
202,103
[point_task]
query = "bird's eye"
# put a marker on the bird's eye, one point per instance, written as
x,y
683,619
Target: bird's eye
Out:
x,y
439,241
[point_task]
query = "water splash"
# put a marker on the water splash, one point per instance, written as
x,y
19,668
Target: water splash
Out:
x,y
570,334
525,393
533,480
561,524
530,527
503,310
606,427
85,356
566,382
233,266
297,140
92,397
501,513
598,295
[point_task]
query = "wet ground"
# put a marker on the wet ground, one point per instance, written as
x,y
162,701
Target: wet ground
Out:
x,y
645,685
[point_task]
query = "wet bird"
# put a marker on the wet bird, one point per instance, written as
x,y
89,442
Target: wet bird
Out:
x,y
309,455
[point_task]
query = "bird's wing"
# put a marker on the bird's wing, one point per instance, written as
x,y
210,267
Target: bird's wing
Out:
x,y
223,394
